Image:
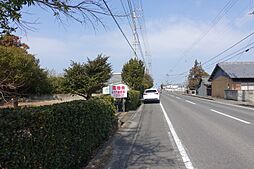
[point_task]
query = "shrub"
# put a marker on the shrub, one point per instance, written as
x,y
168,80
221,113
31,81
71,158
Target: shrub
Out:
x,y
60,136
133,100
107,98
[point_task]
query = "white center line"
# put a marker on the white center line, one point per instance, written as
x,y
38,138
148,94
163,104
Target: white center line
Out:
x,y
179,145
232,117
178,98
190,102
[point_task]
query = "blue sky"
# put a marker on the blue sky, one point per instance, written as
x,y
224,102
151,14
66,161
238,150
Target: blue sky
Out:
x,y
172,27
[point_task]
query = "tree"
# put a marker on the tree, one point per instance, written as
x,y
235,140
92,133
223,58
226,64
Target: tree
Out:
x,y
133,74
20,74
83,11
9,40
87,78
148,81
57,84
196,73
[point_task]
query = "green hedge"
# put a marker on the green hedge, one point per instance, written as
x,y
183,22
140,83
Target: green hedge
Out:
x,y
133,100
61,136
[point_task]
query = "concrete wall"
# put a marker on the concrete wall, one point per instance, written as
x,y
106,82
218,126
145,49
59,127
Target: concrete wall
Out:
x,y
219,85
240,95
202,90
54,97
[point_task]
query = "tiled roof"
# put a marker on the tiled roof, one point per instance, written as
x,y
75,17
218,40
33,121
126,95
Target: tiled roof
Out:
x,y
115,78
238,69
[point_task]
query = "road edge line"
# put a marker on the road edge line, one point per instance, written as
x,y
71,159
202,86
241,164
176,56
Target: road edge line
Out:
x,y
185,157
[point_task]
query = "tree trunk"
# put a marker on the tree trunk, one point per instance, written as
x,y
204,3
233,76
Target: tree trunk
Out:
x,y
88,96
15,102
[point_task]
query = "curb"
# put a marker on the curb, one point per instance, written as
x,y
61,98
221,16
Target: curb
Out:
x,y
207,98
105,153
202,97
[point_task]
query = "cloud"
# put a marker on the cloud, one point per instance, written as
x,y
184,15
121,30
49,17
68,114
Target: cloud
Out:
x,y
168,40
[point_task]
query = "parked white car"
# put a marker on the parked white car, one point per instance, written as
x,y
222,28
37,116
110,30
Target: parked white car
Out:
x,y
151,95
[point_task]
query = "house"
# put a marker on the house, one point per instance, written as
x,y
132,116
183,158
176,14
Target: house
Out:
x,y
232,76
116,78
204,87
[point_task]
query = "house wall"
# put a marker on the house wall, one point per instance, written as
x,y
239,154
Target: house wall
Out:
x,y
202,90
247,86
219,85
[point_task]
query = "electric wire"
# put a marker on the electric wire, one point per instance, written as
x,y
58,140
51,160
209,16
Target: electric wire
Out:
x,y
224,51
119,27
215,21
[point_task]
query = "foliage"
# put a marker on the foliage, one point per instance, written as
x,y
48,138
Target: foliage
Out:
x,y
81,11
60,136
133,74
133,100
9,40
107,98
85,79
196,73
148,81
20,73
57,84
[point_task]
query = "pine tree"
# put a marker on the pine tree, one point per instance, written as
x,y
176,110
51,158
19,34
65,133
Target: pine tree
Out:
x,y
196,73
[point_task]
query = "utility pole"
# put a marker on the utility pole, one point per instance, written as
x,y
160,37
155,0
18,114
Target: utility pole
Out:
x,y
135,33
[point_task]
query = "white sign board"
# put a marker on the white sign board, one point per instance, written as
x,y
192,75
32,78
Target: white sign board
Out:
x,y
119,91
105,90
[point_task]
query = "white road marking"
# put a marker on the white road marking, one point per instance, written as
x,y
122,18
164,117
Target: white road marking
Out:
x,y
178,98
179,145
190,102
213,101
232,117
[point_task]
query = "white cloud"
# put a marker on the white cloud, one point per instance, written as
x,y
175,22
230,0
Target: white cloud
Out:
x,y
168,39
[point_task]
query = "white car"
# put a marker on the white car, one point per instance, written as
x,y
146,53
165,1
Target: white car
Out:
x,y
151,95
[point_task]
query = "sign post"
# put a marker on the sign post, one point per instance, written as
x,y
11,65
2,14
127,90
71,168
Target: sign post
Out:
x,y
119,91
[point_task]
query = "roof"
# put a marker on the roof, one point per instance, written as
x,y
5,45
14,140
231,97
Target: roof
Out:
x,y
115,78
234,70
205,81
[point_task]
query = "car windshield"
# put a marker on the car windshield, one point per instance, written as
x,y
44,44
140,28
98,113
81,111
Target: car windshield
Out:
x,y
150,91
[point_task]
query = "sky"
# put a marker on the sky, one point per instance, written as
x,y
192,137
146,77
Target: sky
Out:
x,y
178,32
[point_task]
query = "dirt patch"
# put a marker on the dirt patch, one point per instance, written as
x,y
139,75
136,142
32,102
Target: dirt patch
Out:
x,y
36,103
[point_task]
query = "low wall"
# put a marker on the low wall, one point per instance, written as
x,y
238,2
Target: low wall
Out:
x,y
54,97
239,95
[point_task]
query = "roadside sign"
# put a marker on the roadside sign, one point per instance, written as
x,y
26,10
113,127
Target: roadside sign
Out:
x,y
105,90
119,91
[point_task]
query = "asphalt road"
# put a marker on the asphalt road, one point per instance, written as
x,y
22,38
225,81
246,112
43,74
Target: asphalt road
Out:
x,y
214,135
153,146
186,132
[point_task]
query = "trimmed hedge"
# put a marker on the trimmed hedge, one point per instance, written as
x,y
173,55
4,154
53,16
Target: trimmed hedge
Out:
x,y
60,136
133,100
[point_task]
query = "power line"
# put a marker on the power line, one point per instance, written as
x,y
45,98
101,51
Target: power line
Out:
x,y
246,37
119,27
231,55
234,54
215,21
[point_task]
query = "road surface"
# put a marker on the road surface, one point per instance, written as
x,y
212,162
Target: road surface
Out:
x,y
187,132
214,135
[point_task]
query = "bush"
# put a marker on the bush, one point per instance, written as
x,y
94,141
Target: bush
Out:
x,y
133,100
107,98
59,136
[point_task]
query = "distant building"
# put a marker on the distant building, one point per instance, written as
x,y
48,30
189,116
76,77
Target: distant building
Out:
x,y
175,87
204,87
236,76
116,78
